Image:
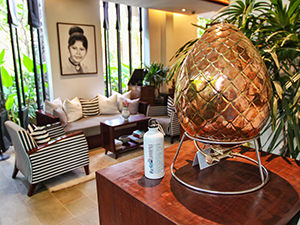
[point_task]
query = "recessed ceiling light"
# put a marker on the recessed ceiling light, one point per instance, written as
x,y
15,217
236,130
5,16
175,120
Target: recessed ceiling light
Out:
x,y
183,10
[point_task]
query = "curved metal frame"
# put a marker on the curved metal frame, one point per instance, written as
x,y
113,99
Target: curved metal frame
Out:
x,y
264,175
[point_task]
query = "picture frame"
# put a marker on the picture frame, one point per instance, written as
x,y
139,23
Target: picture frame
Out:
x,y
77,48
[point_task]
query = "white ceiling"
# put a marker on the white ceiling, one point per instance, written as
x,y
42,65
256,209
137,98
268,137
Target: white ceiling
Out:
x,y
191,6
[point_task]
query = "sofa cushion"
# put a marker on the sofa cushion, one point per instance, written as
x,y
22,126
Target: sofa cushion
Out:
x,y
90,107
108,105
60,113
121,97
51,106
133,106
73,109
90,125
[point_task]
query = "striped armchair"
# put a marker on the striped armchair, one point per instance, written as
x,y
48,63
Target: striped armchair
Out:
x,y
168,120
38,163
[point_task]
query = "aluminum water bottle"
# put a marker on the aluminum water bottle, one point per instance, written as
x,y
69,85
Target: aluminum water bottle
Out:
x,y
154,151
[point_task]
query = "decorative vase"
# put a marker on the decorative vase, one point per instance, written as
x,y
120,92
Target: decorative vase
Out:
x,y
125,113
223,89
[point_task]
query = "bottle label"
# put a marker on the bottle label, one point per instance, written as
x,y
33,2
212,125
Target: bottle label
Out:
x,y
150,159
155,158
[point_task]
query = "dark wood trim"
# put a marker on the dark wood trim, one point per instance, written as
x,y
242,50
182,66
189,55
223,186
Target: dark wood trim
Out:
x,y
55,141
141,35
118,22
43,118
129,10
20,67
41,64
86,169
31,189
15,70
16,170
38,100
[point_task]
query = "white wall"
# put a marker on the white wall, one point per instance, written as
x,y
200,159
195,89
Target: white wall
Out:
x,y
81,12
168,32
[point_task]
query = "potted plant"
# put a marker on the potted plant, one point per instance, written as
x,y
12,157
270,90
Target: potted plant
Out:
x,y
274,29
155,75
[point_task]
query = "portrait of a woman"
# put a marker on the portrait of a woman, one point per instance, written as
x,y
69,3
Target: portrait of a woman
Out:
x,y
75,53
78,46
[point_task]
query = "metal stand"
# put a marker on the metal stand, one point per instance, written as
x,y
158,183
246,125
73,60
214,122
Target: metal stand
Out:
x,y
264,175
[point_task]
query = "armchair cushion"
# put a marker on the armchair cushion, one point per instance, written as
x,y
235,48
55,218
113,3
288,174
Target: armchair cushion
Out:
x,y
55,130
170,106
39,134
26,140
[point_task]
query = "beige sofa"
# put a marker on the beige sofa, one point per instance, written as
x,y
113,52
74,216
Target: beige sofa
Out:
x,y
89,125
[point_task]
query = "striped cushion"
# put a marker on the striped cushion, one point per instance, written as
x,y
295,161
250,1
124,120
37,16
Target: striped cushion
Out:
x,y
55,130
39,134
26,140
170,106
90,107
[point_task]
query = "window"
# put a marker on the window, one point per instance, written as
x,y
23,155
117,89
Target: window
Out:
x,y
121,44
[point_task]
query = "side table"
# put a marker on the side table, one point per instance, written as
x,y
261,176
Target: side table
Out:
x,y
125,196
111,129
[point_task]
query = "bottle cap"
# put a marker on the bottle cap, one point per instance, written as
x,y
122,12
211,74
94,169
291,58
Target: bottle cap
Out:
x,y
152,123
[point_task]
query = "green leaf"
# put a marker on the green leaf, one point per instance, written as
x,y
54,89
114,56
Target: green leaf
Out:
x,y
9,102
28,63
6,78
2,54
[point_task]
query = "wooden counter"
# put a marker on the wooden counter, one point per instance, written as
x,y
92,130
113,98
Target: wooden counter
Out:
x,y
126,197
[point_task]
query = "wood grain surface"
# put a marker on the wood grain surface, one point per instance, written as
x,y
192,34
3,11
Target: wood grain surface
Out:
x,y
125,196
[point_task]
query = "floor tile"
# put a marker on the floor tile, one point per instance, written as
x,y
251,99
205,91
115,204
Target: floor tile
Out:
x,y
89,218
81,206
68,195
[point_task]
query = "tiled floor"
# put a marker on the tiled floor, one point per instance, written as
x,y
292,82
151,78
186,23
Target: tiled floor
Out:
x,y
72,206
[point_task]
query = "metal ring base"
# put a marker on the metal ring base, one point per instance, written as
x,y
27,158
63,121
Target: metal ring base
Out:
x,y
264,175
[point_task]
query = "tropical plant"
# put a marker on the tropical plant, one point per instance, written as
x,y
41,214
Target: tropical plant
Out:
x,y
155,75
10,90
274,29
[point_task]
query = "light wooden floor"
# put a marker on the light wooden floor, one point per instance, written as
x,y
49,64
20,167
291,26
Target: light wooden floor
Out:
x,y
72,206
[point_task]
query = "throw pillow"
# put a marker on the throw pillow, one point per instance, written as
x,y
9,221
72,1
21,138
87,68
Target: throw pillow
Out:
x,y
133,105
39,134
73,109
170,106
26,140
120,98
108,105
49,107
60,113
90,107
55,130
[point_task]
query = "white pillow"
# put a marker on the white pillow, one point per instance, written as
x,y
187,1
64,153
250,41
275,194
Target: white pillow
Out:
x,y
108,105
120,98
72,109
133,106
51,106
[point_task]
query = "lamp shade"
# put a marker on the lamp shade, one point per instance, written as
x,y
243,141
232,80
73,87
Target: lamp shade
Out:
x,y
223,89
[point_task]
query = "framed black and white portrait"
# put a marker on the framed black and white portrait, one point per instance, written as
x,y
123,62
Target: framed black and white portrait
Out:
x,y
77,48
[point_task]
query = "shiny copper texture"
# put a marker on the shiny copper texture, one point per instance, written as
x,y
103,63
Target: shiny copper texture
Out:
x,y
223,89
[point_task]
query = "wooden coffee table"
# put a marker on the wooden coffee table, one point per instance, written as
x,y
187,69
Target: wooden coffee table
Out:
x,y
112,129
